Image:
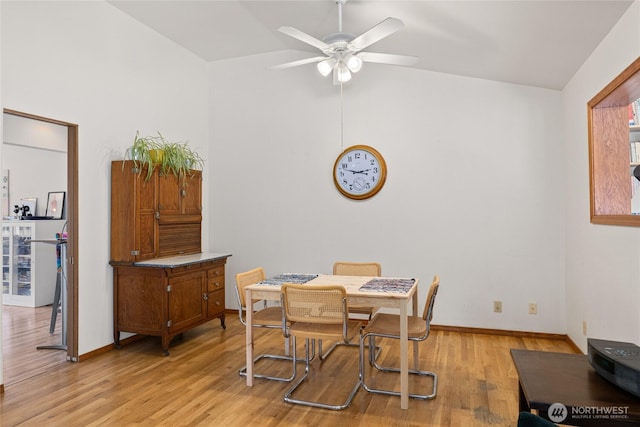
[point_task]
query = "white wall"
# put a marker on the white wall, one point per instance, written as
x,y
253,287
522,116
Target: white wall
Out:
x,y
33,173
34,154
90,64
603,261
475,188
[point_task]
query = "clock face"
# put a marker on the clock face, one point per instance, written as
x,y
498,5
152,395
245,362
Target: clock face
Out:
x,y
359,172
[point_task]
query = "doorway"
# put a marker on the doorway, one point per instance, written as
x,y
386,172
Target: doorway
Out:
x,y
71,215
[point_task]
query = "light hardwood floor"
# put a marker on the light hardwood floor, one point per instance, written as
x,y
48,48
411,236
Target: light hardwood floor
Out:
x,y
198,384
24,329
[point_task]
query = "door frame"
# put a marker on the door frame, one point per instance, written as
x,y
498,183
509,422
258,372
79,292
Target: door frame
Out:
x,y
72,228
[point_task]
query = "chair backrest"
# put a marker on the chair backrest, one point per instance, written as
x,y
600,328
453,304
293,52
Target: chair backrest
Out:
x,y
326,304
357,268
427,314
245,279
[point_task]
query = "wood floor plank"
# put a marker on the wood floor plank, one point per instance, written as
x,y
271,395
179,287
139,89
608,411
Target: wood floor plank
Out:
x,y
198,385
24,329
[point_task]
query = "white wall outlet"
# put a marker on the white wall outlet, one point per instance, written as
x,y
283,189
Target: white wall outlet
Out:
x,y
497,306
533,308
584,328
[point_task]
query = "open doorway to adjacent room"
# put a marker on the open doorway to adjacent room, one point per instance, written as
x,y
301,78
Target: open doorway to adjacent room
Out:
x,y
39,176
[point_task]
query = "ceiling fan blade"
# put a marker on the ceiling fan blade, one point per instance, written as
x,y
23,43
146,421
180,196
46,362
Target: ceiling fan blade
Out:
x,y
304,37
299,62
376,33
387,58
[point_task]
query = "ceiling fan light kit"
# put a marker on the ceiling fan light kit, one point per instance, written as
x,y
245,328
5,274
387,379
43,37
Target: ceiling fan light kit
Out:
x,y
325,67
344,52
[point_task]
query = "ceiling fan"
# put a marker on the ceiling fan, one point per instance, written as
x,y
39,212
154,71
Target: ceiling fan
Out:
x,y
343,52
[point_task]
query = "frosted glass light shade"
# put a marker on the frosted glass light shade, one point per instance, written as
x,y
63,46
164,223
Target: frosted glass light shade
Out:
x,y
354,63
344,75
325,67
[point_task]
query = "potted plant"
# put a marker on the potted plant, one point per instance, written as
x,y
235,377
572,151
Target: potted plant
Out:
x,y
144,152
179,159
155,151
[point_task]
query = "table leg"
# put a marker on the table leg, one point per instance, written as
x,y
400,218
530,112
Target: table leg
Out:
x,y
523,403
404,358
416,347
249,334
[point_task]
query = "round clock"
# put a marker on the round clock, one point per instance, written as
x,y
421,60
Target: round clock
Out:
x,y
359,172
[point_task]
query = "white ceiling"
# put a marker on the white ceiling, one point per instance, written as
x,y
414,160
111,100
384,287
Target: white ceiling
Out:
x,y
538,43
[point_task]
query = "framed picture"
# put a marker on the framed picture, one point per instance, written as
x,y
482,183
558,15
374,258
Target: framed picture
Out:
x,y
29,205
55,204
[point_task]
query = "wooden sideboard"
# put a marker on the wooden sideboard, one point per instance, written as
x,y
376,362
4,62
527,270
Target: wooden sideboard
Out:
x,y
166,296
163,284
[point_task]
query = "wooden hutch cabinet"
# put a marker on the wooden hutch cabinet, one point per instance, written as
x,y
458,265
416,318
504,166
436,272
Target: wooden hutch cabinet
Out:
x,y
163,283
152,218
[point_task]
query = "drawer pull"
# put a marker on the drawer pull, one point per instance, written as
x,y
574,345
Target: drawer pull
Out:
x,y
205,297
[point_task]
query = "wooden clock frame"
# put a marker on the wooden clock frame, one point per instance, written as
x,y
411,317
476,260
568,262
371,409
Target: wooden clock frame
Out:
x,y
383,172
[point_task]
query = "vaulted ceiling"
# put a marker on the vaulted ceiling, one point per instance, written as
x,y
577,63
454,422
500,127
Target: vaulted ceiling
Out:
x,y
537,43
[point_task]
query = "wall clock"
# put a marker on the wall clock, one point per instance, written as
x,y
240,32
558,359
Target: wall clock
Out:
x,y
359,172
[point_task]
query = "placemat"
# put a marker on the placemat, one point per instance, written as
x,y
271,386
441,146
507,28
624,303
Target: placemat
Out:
x,y
280,279
401,286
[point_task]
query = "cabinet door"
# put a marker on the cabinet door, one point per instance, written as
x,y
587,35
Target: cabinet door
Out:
x,y
186,300
180,196
215,303
146,223
134,206
140,300
6,259
22,285
168,195
191,194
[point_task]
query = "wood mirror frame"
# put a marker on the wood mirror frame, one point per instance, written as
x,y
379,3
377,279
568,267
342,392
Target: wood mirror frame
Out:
x,y
609,149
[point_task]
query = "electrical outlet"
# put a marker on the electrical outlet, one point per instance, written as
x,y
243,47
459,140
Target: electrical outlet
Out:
x,y
584,328
533,308
497,306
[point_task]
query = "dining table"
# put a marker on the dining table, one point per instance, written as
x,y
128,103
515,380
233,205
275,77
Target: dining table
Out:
x,y
381,292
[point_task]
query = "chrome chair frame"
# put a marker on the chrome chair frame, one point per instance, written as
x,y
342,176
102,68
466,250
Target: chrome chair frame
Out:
x,y
289,324
369,333
347,268
269,324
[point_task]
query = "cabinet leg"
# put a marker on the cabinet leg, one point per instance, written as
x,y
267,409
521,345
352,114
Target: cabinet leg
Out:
x,y
222,322
165,345
116,339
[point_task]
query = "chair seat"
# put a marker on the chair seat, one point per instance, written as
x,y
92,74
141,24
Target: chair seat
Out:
x,y
324,331
389,324
269,316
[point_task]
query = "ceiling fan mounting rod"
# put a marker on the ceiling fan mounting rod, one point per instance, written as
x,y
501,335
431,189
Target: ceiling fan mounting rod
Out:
x,y
340,3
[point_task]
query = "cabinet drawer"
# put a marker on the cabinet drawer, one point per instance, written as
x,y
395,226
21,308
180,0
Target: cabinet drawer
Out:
x,y
215,278
215,303
215,284
217,271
